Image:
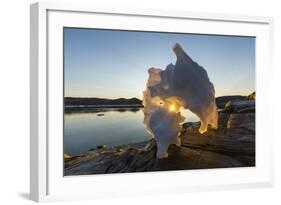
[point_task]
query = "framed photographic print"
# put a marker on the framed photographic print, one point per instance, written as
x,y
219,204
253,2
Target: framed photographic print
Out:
x,y
127,102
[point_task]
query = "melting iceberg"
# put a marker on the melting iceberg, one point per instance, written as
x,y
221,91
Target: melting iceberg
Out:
x,y
185,85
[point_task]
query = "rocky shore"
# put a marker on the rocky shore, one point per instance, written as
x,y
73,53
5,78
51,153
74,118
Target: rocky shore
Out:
x,y
231,145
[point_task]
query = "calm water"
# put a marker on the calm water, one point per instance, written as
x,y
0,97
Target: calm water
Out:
x,y
83,131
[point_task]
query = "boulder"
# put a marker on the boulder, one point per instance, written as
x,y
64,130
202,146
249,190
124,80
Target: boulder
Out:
x,y
66,156
252,96
244,106
102,146
221,101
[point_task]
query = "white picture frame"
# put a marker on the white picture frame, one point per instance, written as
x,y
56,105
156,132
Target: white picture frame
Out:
x,y
46,179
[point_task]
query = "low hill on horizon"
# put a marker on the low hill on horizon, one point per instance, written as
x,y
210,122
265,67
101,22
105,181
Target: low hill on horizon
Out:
x,y
101,101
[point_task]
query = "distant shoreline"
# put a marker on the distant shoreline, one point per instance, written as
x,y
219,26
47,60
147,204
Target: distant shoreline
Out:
x,y
82,103
75,101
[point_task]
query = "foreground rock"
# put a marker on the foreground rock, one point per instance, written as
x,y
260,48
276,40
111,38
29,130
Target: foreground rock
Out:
x,y
137,157
231,145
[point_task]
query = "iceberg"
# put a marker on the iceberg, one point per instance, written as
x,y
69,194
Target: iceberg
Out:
x,y
185,85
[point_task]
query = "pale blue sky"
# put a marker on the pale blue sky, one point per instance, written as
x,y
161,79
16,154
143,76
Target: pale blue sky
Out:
x,y
114,64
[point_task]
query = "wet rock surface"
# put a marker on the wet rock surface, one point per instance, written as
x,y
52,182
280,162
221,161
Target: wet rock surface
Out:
x,y
231,145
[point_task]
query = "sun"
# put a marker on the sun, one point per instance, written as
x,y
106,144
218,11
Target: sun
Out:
x,y
172,108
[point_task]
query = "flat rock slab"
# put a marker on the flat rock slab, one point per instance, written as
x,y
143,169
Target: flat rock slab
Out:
x,y
184,158
139,157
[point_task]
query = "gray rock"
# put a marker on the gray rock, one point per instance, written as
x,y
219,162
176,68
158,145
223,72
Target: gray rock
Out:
x,y
102,146
235,137
245,106
252,96
114,161
221,101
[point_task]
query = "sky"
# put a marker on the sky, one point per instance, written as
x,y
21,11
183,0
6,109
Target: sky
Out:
x,y
114,64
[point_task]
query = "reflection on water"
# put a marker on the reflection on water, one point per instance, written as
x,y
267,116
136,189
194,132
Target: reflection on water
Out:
x,y
110,126
85,109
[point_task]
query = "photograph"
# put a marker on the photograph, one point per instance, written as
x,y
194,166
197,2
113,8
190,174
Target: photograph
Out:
x,y
147,101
